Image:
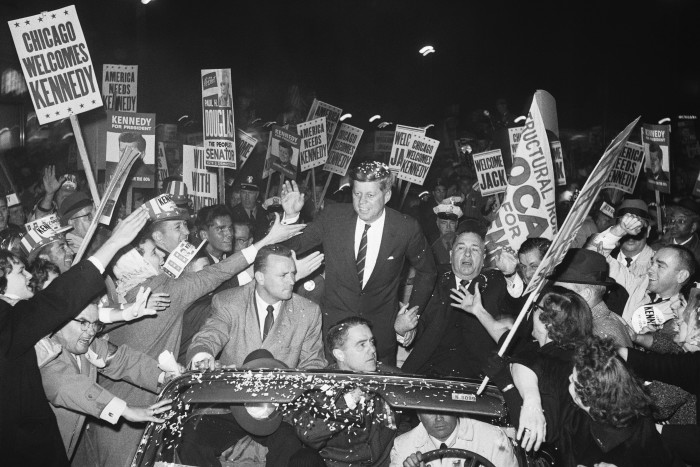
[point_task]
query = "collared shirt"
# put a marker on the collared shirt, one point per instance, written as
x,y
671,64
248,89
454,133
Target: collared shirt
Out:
x,y
262,310
449,442
684,243
374,240
621,257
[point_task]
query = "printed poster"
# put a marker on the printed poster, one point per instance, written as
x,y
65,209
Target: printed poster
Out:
x,y
321,109
137,130
417,159
314,148
56,64
283,151
217,120
161,165
655,141
201,183
403,140
344,147
245,144
558,161
119,87
625,172
514,139
490,172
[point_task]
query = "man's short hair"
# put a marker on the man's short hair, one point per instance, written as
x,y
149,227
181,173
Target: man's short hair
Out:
x,y
244,223
686,260
373,172
535,244
133,138
338,333
268,250
207,215
7,262
285,145
654,148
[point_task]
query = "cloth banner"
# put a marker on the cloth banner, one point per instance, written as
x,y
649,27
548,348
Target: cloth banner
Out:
x,y
625,172
201,183
344,147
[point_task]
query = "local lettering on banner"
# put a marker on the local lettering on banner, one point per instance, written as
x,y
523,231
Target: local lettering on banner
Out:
x,y
314,148
217,119
403,139
344,147
579,210
284,151
245,144
321,109
625,172
655,141
56,64
528,209
514,139
417,160
201,183
162,165
137,130
119,87
558,161
490,172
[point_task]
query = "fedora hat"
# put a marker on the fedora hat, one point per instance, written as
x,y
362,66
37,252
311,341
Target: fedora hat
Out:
x,y
258,425
582,266
633,206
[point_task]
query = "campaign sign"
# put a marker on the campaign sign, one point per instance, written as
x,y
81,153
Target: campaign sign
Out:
x,y
606,209
217,120
321,109
314,148
119,87
416,162
514,139
180,257
344,147
137,130
403,139
245,144
579,210
201,183
624,174
558,162
283,151
56,64
655,141
490,172
162,165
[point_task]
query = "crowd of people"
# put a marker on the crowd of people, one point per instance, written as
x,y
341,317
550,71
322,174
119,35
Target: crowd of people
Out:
x,y
602,371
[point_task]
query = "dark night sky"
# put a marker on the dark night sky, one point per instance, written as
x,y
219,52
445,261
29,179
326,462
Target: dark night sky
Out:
x,y
604,64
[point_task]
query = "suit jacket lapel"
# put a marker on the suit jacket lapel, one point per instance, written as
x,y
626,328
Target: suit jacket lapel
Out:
x,y
346,236
252,325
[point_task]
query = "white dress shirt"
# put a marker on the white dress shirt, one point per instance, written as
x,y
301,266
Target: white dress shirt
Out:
x,y
262,310
374,240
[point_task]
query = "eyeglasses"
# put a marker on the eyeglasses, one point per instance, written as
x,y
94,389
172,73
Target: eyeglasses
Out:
x,y
678,220
96,326
88,215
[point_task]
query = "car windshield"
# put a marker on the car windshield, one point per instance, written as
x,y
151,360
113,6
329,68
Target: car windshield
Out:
x,y
294,394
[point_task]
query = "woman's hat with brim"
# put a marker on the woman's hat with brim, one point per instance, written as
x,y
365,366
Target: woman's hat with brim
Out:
x,y
256,360
582,266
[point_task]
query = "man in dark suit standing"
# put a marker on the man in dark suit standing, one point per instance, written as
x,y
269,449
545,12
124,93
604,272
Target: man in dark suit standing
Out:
x,y
365,246
249,210
450,342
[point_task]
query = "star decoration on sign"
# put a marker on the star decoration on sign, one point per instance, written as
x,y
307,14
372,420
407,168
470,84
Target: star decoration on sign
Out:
x,y
26,22
16,25
70,110
65,12
82,105
93,101
53,16
48,115
57,114
41,19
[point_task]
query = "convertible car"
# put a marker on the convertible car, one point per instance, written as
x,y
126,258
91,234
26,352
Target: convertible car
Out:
x,y
195,392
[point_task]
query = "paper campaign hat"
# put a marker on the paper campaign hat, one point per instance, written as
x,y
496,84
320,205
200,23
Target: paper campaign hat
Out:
x,y
178,191
163,208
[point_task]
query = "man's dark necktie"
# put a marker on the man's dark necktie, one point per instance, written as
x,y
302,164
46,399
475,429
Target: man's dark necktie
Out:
x,y
464,283
361,254
655,298
629,261
443,445
269,321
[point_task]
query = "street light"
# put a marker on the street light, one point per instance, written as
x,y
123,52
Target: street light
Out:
x,y
521,118
428,49
665,120
376,117
345,117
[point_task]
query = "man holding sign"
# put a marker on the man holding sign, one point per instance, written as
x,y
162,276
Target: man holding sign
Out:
x,y
365,248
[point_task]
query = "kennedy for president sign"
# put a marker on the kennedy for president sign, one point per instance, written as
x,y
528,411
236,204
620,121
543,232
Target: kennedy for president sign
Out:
x,y
56,64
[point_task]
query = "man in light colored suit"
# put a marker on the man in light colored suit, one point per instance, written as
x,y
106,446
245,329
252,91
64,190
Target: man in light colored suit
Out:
x,y
262,314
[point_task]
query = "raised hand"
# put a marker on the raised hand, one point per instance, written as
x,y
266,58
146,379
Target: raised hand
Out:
x,y
292,199
51,183
280,232
308,264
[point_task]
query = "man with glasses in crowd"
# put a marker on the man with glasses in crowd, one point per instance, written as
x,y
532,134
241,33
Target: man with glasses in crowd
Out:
x,y
682,219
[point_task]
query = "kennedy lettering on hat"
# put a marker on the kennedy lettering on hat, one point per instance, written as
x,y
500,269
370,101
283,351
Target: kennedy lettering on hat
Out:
x,y
163,208
41,234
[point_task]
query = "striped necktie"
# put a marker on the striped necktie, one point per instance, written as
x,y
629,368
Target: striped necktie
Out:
x,y
361,254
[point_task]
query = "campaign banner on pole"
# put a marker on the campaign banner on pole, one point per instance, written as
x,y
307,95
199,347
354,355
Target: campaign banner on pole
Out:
x,y
217,120
417,160
201,183
138,130
283,151
528,209
625,172
656,141
558,162
514,139
321,109
580,209
314,147
490,172
119,84
56,64
344,147
245,144
161,165
403,139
